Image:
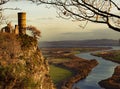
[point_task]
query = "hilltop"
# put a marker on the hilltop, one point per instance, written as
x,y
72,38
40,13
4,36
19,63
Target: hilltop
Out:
x,y
22,65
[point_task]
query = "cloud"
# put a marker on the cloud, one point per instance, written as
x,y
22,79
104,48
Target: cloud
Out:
x,y
48,18
96,34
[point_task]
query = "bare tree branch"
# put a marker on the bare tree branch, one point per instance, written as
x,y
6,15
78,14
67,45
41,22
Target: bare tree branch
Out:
x,y
115,4
35,32
2,17
98,11
3,1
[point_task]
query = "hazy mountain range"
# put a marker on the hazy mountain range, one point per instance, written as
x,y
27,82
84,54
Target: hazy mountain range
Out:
x,y
80,43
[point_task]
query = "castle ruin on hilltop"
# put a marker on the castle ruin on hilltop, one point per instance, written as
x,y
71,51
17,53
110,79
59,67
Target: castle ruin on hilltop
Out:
x,y
20,28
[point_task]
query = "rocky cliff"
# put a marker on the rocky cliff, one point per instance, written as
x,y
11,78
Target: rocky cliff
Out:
x,y
22,65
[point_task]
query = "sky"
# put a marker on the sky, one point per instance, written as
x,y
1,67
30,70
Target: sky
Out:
x,y
53,28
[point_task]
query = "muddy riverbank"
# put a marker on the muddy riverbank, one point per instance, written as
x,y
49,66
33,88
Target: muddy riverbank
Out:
x,y
112,82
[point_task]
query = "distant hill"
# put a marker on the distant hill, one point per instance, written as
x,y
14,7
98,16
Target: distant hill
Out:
x,y
80,43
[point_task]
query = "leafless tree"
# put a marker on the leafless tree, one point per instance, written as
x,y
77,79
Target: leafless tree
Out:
x,y
35,32
2,17
98,11
1,9
3,1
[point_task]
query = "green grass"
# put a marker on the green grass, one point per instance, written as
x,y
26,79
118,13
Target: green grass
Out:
x,y
117,55
59,60
114,55
58,74
76,52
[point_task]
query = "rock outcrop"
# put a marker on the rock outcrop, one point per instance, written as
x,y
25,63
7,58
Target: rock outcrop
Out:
x,y
112,82
25,70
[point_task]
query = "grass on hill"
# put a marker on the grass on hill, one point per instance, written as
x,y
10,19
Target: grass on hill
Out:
x,y
58,74
111,55
116,55
59,60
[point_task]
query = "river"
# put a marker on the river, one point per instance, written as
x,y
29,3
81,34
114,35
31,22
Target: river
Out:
x,y
102,71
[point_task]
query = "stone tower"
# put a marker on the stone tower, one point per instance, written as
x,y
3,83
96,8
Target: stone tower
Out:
x,y
22,22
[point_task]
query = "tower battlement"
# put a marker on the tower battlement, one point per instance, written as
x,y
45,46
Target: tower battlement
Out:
x,y
22,22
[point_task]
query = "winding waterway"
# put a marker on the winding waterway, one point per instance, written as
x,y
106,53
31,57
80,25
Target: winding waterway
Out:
x,y
102,71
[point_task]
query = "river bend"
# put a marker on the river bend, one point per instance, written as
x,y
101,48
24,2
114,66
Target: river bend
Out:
x,y
102,71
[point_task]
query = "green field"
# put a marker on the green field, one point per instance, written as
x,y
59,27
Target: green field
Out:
x,y
58,74
110,55
59,60
116,55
